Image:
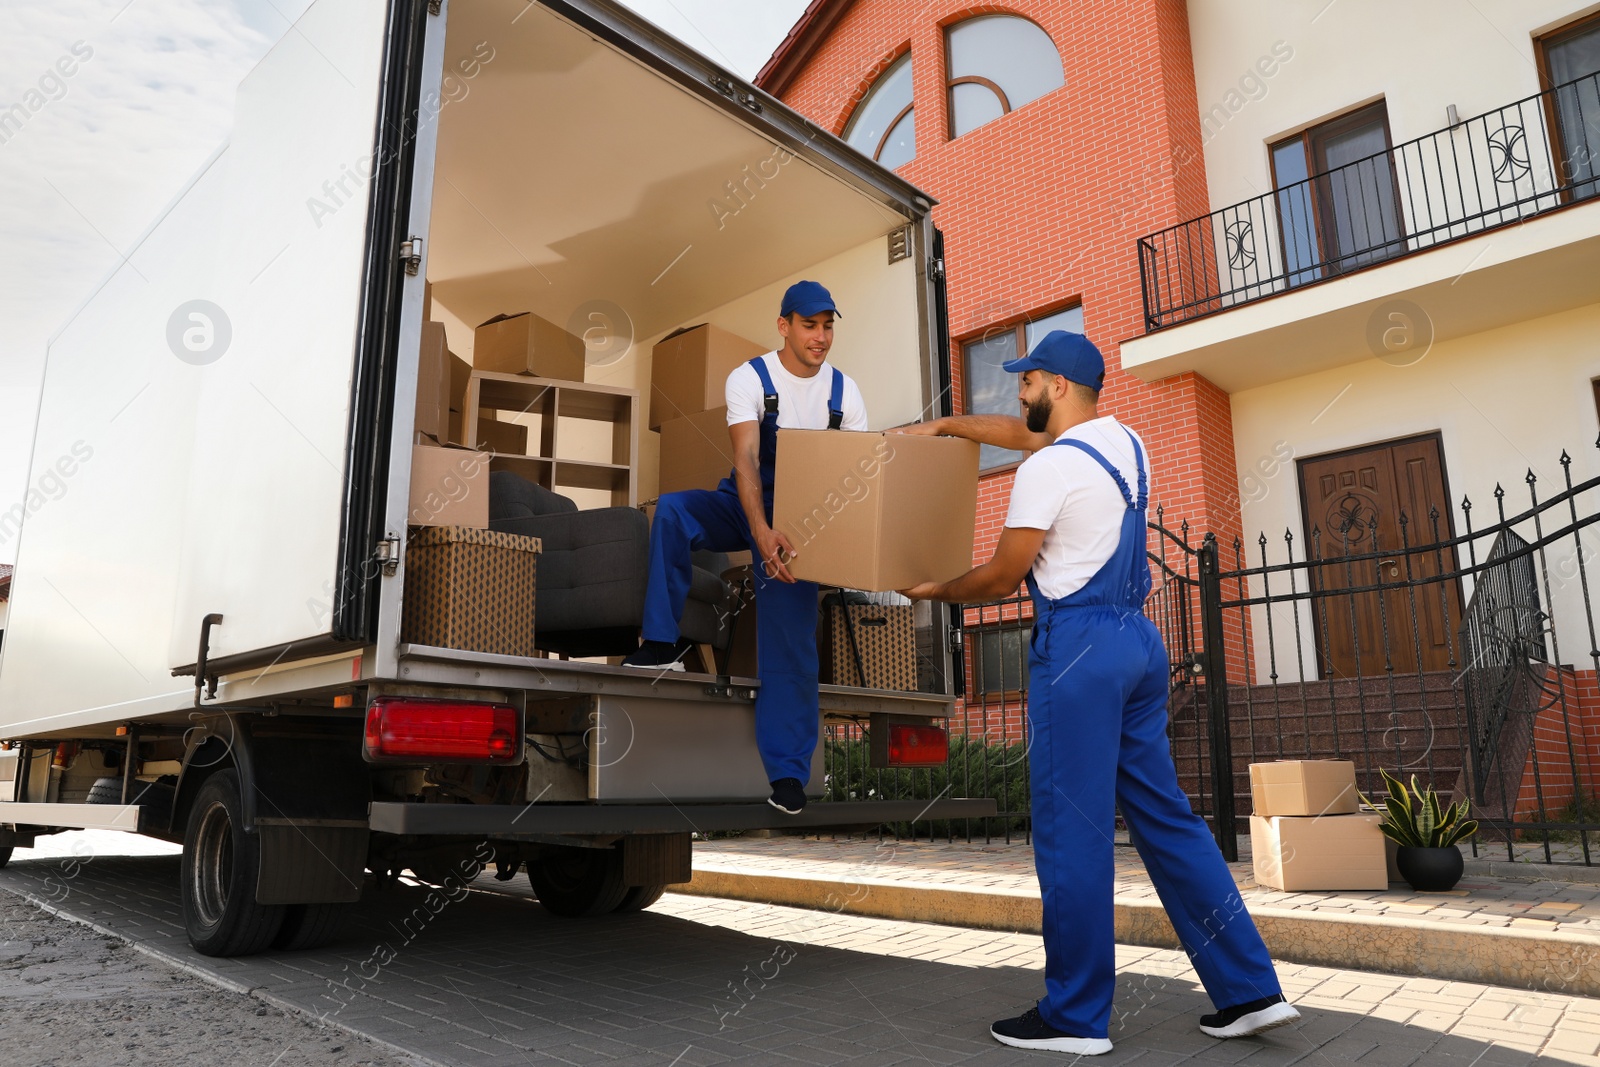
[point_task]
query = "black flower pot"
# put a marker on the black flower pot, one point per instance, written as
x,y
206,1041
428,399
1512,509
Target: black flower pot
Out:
x,y
1430,870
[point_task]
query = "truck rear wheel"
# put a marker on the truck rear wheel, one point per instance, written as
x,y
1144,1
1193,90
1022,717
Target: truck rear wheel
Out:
x,y
218,883
639,898
5,854
578,882
309,926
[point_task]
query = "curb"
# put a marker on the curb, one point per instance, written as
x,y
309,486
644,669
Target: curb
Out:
x,y
1546,961
228,985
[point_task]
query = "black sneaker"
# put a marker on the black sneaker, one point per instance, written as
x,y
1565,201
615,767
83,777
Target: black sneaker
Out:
x,y
1256,1017
1029,1030
657,656
788,796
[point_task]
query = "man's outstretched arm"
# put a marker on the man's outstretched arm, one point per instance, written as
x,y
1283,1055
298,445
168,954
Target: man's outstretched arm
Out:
x,y
1002,431
1013,556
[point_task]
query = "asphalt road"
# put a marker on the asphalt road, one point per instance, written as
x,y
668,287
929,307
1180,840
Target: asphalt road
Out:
x,y
487,977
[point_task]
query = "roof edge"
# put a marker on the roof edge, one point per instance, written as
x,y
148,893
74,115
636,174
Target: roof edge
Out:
x,y
802,42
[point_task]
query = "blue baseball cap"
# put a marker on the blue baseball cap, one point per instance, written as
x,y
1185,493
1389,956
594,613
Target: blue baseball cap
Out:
x,y
1071,355
807,299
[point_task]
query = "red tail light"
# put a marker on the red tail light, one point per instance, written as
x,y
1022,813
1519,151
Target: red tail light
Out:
x,y
918,746
400,729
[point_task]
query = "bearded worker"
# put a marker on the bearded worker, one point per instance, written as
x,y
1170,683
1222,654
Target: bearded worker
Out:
x,y
1097,711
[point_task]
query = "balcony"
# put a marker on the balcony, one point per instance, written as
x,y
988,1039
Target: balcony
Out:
x,y
1314,260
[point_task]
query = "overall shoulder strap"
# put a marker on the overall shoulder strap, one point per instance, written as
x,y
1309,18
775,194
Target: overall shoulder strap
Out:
x,y
836,400
1144,476
1116,475
769,392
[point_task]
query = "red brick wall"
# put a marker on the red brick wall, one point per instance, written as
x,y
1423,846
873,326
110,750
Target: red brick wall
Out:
x,y
1042,207
1566,738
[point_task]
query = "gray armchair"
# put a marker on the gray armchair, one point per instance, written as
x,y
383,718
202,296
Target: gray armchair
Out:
x,y
593,569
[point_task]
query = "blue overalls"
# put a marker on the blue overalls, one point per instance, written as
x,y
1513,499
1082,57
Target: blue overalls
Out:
x,y
786,614
1098,713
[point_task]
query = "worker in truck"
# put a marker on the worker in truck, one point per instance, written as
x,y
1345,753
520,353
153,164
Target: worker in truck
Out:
x,y
795,388
1097,710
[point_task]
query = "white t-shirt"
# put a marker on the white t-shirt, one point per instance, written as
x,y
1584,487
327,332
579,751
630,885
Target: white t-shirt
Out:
x,y
1062,490
802,402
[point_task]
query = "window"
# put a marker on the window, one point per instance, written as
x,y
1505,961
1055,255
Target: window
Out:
x,y
884,125
1338,204
992,391
1000,659
1571,66
997,64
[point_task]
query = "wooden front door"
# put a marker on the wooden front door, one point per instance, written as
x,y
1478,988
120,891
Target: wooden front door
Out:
x,y
1378,612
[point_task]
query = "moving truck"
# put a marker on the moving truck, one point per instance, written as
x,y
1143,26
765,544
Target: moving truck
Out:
x,y
205,633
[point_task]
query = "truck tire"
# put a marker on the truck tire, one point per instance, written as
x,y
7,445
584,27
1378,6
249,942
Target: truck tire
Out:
x,y
639,898
308,926
155,797
5,854
218,882
576,883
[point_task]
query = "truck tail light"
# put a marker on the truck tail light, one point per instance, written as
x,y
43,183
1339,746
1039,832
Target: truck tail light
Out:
x,y
918,746
401,729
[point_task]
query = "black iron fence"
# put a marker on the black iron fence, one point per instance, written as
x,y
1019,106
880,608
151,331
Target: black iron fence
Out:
x,y
1492,170
1468,659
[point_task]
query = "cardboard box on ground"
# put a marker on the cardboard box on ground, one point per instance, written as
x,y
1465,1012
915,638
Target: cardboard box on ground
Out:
x,y
689,370
876,511
1312,852
524,343
696,451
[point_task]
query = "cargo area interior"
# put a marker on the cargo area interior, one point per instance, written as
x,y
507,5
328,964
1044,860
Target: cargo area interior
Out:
x,y
575,182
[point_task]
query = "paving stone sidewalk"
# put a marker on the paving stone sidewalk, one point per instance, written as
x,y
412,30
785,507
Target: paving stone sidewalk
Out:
x,y
1551,905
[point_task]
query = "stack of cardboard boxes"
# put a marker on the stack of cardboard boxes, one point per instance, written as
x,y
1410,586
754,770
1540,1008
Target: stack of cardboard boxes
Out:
x,y
688,376
1307,831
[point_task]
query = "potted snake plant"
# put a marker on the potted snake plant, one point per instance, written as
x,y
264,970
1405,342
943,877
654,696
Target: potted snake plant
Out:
x,y
1426,831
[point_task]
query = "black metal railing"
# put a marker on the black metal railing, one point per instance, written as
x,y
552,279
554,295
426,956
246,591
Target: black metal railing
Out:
x,y
1498,168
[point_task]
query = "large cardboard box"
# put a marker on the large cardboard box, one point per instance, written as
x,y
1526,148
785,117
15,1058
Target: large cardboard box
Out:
x,y
502,438
433,384
527,344
449,487
1318,852
689,370
470,589
1304,787
876,511
885,638
696,452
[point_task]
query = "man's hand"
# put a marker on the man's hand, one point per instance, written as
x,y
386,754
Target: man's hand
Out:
x,y
920,429
776,551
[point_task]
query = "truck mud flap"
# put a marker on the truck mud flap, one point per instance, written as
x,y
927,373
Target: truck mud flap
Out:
x,y
303,864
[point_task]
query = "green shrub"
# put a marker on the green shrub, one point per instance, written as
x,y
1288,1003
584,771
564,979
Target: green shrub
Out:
x,y
999,772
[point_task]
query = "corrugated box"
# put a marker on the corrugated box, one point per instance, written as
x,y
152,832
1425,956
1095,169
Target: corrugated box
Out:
x,y
527,344
460,375
502,438
1318,852
449,487
470,589
885,639
433,383
1304,787
689,370
696,452
876,511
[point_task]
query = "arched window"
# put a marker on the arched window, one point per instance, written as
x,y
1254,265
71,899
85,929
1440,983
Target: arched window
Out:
x,y
997,64
884,126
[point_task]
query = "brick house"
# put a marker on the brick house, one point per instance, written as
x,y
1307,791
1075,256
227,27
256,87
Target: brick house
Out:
x,y
1234,201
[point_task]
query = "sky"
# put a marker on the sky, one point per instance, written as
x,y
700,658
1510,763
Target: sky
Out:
x,y
107,107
